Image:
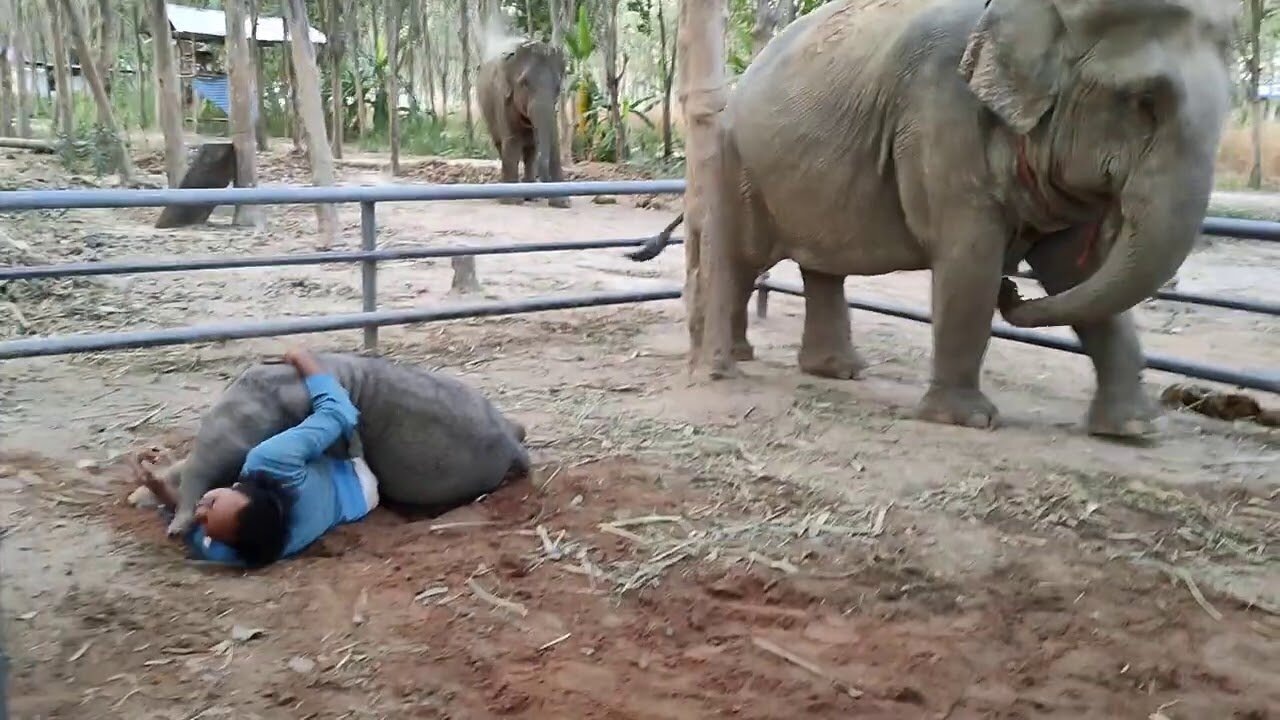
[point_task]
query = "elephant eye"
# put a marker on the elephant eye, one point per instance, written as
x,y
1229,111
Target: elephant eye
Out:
x,y
1144,104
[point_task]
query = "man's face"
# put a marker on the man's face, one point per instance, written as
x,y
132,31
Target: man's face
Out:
x,y
217,511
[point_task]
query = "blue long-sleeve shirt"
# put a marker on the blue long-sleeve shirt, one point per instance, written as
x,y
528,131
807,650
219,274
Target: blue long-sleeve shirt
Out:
x,y
326,490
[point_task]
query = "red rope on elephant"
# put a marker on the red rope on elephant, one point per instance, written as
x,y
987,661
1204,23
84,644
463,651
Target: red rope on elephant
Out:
x,y
1027,176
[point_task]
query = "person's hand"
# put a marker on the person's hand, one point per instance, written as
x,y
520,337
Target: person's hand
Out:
x,y
142,474
303,361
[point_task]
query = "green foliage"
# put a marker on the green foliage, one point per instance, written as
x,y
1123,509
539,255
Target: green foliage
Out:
x,y
91,148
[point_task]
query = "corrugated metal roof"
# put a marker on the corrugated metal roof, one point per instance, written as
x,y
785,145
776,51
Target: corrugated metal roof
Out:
x,y
212,23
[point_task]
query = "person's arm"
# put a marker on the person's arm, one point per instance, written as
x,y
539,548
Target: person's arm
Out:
x,y
332,417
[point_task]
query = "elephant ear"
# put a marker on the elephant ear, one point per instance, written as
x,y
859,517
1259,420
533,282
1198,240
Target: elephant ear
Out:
x,y
1013,62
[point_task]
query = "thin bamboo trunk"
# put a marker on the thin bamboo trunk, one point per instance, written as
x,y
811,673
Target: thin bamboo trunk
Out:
x,y
61,71
255,50
311,113
168,93
243,111
464,38
393,83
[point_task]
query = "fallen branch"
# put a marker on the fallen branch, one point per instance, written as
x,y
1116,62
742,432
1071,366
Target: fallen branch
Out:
x,y
39,146
496,601
1196,595
800,662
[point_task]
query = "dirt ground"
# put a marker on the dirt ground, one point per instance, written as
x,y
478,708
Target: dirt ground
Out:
x,y
771,545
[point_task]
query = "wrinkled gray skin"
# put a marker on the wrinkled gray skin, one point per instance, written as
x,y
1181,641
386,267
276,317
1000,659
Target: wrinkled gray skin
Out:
x,y
430,439
519,93
880,135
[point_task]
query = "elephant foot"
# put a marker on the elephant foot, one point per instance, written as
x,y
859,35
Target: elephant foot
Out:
x,y
742,351
559,202
951,406
1129,419
844,364
180,524
511,201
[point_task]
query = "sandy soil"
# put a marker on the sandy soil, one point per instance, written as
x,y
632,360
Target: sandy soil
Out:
x,y
752,548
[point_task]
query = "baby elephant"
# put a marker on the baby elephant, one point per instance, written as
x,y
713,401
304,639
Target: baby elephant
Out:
x,y
428,438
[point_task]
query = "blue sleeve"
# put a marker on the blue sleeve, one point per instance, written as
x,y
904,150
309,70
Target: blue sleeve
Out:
x,y
202,547
286,454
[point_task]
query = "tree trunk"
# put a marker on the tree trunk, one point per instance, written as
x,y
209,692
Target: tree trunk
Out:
x,y
443,55
144,120
428,62
337,48
108,41
702,95
18,47
1256,8
243,110
612,80
65,118
766,23
558,20
255,51
292,110
311,113
667,67
464,38
393,83
124,163
168,93
362,112
7,101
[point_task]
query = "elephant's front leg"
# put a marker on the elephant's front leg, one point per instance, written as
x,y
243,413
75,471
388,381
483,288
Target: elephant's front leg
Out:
x,y
1120,407
826,348
529,157
966,283
512,151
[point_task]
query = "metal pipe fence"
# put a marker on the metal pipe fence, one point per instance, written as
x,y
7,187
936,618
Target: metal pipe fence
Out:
x,y
369,255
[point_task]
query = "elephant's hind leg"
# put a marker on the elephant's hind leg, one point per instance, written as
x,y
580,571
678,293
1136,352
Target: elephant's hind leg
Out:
x,y
826,348
1120,408
743,278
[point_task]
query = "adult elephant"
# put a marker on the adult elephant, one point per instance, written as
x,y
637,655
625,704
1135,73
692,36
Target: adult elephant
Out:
x,y
519,91
964,136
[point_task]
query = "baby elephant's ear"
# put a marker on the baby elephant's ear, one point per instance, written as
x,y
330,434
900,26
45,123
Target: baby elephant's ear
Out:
x,y
1013,62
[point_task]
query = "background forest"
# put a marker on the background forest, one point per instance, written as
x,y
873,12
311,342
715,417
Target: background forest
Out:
x,y
619,103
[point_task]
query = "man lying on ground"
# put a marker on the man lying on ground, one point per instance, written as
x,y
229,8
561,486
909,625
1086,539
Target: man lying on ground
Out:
x,y
254,489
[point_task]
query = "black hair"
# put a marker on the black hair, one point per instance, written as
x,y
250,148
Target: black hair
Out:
x,y
262,526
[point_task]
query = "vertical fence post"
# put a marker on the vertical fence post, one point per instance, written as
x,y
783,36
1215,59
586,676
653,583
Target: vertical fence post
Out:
x,y
762,295
369,271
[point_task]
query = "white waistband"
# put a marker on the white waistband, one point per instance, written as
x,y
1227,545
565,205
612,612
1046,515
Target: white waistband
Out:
x,y
368,482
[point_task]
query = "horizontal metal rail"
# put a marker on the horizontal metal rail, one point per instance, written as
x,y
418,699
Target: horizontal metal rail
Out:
x,y
311,194
1268,381
1241,229
213,332
1262,307
31,272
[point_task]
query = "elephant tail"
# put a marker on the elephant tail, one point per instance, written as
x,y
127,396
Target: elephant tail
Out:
x,y
654,246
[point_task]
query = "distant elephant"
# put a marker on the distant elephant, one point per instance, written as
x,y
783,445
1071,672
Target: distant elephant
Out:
x,y
964,136
519,92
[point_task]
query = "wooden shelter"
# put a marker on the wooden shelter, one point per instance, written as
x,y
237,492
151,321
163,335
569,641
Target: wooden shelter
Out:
x,y
201,35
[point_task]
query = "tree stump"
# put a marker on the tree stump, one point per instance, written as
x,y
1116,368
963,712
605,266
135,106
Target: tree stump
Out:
x,y
214,166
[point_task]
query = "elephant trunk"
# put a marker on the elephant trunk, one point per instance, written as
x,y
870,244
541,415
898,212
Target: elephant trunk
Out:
x,y
1162,206
542,113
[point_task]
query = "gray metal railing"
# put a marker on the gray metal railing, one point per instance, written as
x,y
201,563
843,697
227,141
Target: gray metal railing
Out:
x,y
370,319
